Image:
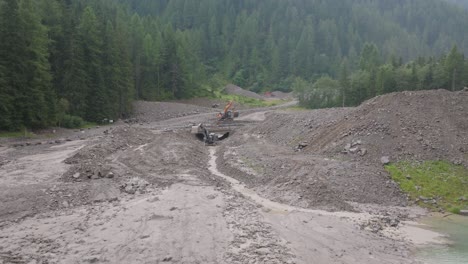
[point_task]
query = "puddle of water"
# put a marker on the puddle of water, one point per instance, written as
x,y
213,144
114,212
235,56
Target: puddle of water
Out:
x,y
456,227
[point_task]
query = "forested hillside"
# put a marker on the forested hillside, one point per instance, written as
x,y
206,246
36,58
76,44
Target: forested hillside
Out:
x,y
62,60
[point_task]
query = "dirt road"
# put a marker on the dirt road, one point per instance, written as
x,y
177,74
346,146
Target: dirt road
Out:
x,y
152,193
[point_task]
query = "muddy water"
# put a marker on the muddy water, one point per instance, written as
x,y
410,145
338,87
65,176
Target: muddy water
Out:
x,y
457,253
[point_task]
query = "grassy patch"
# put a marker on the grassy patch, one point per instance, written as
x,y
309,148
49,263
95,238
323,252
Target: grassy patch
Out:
x,y
17,134
247,100
296,108
433,180
88,125
249,163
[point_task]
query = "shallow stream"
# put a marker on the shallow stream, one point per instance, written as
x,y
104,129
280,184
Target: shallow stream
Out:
x,y
456,227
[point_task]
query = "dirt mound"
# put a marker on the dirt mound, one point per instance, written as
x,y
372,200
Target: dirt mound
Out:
x,y
425,125
236,90
90,161
145,112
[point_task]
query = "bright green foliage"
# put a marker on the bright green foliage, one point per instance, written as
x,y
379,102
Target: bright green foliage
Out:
x,y
439,180
325,92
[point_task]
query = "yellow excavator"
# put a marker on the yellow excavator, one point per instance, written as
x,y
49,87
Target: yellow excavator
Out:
x,y
228,114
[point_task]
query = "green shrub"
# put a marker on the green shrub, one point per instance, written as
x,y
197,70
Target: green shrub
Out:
x,y
69,121
455,210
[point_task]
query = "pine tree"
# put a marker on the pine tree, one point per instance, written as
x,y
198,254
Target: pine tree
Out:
x,y
454,67
344,82
25,69
90,35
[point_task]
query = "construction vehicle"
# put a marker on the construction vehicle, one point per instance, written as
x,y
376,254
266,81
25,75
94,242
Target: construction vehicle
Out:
x,y
208,137
228,114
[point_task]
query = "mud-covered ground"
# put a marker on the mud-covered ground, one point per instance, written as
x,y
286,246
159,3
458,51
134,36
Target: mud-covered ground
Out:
x,y
280,189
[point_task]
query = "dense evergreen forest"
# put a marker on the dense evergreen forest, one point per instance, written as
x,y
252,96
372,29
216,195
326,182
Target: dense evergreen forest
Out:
x,y
62,61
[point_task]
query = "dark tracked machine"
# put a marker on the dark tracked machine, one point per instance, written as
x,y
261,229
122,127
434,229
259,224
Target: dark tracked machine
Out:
x,y
222,129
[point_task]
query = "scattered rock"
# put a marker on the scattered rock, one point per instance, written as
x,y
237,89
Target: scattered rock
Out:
x,y
353,150
167,259
135,185
301,146
363,152
377,224
91,260
211,196
385,160
356,143
130,189
347,147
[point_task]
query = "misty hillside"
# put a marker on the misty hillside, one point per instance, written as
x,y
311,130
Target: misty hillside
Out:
x,y
65,61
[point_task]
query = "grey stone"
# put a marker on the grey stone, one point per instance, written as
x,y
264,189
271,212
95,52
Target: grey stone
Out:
x,y
385,160
129,189
167,259
363,152
353,150
347,147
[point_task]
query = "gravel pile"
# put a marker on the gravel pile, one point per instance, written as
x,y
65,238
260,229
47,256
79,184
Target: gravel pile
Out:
x,y
423,125
90,163
236,90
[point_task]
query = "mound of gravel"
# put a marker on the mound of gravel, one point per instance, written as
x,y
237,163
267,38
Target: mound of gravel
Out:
x,y
90,163
423,125
236,90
